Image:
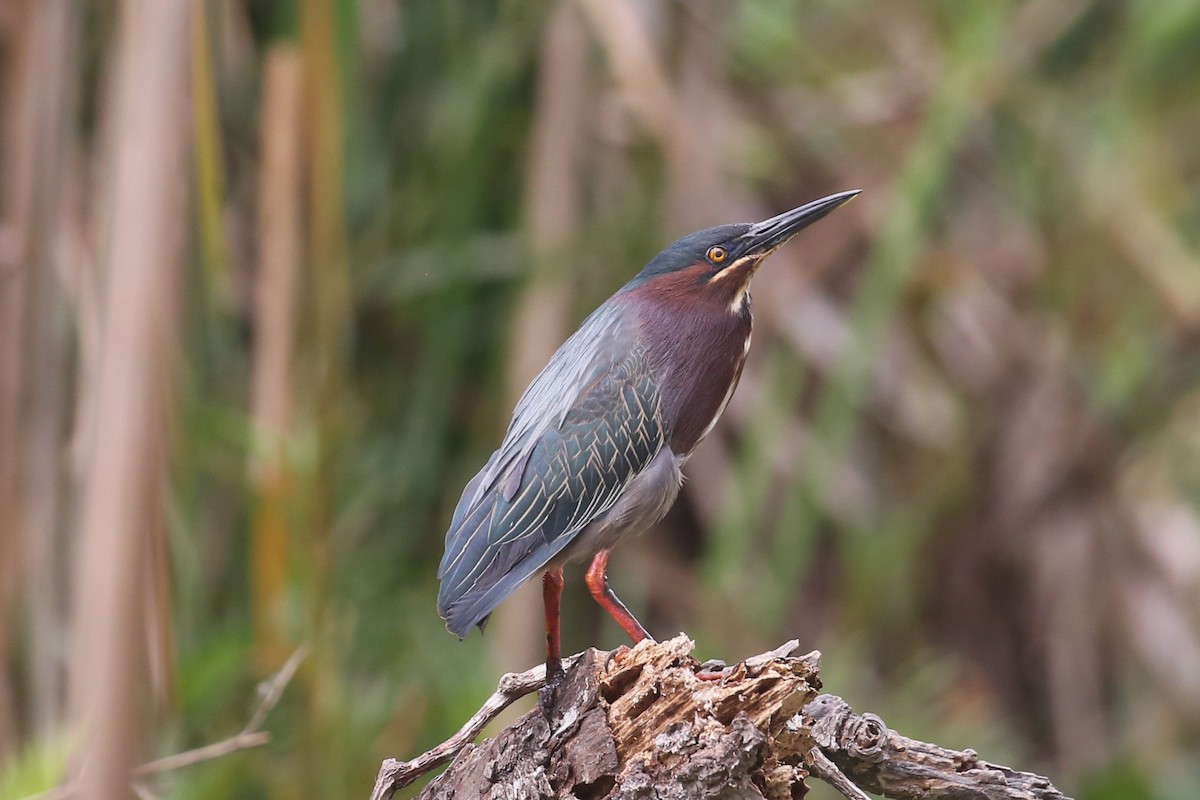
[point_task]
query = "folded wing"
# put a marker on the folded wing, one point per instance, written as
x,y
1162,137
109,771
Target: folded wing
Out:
x,y
563,464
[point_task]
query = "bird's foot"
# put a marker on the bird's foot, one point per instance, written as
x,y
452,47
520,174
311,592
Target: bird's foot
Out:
x,y
712,670
548,694
615,657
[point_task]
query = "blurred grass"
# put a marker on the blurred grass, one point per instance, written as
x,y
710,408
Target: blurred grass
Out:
x,y
992,350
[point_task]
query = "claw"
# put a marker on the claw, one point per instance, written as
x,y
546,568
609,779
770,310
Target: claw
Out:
x,y
712,670
615,657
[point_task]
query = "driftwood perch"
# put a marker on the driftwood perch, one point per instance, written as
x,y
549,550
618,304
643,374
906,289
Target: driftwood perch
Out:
x,y
658,724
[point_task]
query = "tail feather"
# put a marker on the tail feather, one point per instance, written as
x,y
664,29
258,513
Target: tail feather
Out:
x,y
466,540
468,594
474,607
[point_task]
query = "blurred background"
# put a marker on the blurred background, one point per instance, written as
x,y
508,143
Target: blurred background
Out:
x,y
273,272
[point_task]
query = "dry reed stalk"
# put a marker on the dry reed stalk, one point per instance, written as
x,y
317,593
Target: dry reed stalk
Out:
x,y
326,302
274,326
19,142
126,468
44,596
208,159
328,292
33,351
641,82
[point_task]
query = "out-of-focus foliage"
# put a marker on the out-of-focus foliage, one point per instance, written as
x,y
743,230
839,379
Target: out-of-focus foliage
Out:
x,y
963,461
39,767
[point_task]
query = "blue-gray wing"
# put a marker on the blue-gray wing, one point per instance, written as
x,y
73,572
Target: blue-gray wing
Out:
x,y
571,459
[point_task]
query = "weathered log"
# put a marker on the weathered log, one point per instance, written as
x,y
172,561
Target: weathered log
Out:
x,y
884,762
656,723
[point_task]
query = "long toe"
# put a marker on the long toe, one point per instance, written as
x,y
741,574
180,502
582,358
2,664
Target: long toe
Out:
x,y
548,694
615,657
712,670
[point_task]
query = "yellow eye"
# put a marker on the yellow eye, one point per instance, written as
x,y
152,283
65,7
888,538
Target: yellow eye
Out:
x,y
717,254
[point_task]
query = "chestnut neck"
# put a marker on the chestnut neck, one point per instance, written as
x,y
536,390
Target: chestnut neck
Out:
x,y
696,333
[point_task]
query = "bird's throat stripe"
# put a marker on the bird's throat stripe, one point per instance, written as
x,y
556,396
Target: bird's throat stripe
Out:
x,y
750,262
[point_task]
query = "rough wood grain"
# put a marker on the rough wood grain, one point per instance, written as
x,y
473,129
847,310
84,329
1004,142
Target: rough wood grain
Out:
x,y
882,761
647,725
655,723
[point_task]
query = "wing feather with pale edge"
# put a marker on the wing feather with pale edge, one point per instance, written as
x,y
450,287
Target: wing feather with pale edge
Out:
x,y
563,463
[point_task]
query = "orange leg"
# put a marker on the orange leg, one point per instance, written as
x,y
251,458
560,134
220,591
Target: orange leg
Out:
x,y
597,582
552,586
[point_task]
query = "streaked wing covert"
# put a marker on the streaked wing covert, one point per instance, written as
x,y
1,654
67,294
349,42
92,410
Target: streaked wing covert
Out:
x,y
572,475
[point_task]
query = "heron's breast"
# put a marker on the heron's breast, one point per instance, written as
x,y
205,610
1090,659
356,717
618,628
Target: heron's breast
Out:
x,y
696,345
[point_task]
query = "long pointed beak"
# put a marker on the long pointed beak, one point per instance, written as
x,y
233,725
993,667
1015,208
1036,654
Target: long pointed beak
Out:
x,y
764,237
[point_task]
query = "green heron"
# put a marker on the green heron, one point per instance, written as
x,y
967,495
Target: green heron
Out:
x,y
596,443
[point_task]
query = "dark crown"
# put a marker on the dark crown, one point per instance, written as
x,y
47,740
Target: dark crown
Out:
x,y
690,250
